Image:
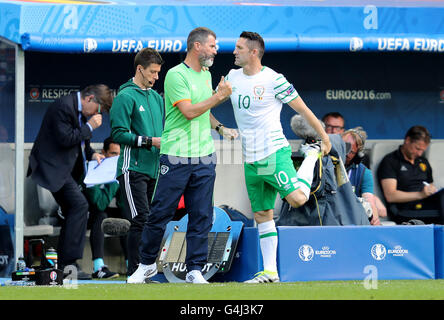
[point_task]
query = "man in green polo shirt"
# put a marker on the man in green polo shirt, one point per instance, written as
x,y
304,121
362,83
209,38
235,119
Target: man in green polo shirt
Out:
x,y
187,161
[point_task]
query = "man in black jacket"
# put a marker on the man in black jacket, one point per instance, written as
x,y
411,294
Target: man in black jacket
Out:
x,y
58,161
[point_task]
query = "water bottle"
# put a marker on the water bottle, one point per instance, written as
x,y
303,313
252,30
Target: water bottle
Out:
x,y
51,257
21,264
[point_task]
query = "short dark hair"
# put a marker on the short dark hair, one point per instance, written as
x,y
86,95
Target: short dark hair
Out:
x,y
254,39
107,142
333,115
417,133
147,56
102,95
199,34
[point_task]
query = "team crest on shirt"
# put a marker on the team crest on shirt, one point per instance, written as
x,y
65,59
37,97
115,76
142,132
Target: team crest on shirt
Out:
x,y
164,169
141,108
423,167
258,92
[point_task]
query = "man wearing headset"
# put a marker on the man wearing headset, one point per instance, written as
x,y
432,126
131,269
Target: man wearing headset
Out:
x,y
360,176
137,124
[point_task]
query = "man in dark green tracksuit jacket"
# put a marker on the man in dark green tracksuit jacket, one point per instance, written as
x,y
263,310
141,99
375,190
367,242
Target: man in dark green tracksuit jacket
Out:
x,y
100,198
137,118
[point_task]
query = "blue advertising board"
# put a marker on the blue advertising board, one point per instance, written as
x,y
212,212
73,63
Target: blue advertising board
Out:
x,y
349,252
439,252
345,253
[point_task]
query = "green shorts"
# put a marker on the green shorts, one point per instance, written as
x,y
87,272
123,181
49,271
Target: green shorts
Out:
x,y
266,177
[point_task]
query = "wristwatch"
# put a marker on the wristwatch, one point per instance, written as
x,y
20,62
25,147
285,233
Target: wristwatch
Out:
x,y
146,142
220,125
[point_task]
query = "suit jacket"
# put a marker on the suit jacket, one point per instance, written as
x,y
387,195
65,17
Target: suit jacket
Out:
x,y
57,152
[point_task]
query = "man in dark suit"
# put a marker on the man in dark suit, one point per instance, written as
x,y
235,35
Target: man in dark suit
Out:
x,y
57,163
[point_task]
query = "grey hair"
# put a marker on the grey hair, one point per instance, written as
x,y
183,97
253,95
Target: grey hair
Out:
x,y
200,35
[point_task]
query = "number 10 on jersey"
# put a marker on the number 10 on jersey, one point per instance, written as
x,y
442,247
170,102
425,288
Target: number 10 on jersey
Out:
x,y
243,102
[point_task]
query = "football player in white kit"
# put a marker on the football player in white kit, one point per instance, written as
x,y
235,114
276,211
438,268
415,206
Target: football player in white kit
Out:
x,y
257,98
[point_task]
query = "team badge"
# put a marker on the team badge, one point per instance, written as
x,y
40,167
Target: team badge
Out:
x,y
141,108
164,169
259,91
423,167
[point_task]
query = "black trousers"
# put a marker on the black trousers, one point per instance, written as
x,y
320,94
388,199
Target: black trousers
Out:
x,y
137,189
73,228
429,210
194,178
97,238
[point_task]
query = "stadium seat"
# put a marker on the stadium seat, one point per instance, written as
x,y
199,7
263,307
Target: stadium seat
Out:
x,y
7,193
435,155
229,187
378,152
7,178
48,206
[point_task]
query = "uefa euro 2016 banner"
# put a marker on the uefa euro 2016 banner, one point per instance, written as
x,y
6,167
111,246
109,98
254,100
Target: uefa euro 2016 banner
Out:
x,y
323,42
286,25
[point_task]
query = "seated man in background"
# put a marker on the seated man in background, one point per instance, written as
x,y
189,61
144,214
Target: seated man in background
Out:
x,y
334,123
360,176
99,198
407,181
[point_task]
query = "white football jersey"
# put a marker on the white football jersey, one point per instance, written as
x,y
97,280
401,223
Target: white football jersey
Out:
x,y
257,104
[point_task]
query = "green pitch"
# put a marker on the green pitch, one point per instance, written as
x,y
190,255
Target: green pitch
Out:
x,y
323,290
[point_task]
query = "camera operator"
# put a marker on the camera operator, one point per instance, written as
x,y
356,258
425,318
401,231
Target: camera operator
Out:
x,y
360,176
